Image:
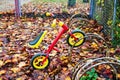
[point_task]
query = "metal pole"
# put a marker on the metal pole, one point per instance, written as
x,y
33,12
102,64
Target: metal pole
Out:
x,y
92,8
17,8
114,18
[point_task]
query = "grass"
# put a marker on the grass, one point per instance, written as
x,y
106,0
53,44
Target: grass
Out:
x,y
55,1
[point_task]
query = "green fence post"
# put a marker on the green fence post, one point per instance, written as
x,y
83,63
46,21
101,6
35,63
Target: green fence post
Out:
x,y
71,3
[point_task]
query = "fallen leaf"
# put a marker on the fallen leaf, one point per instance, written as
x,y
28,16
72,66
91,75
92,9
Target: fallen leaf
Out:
x,y
2,72
8,61
15,70
118,75
1,50
21,64
1,63
68,78
19,78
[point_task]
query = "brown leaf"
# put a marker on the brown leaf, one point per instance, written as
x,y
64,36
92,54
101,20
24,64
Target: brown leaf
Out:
x,y
1,63
2,72
19,78
22,64
118,75
8,61
15,70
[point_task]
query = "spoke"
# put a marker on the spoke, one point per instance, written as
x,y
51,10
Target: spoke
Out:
x,y
38,61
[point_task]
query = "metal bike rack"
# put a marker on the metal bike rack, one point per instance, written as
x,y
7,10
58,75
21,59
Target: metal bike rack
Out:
x,y
85,65
82,67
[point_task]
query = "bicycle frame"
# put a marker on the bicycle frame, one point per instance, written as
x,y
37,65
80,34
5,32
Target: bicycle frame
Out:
x,y
63,30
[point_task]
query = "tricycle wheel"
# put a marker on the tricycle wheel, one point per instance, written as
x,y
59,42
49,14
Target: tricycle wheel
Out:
x,y
36,61
80,38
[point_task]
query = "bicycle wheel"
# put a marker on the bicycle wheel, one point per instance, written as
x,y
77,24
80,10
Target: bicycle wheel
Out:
x,y
37,59
80,38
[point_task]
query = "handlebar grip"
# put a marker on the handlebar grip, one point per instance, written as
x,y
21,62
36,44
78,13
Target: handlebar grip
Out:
x,y
49,14
60,23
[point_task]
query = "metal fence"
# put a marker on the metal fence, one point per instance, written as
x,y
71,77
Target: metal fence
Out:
x,y
104,11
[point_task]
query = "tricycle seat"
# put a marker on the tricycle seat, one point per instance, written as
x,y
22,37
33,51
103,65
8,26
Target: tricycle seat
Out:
x,y
37,41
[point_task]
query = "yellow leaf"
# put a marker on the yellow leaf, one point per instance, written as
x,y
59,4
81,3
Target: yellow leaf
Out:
x,y
68,78
22,64
118,75
17,55
63,57
112,50
119,24
15,59
1,49
2,72
54,23
94,45
1,63
29,23
15,70
8,61
19,78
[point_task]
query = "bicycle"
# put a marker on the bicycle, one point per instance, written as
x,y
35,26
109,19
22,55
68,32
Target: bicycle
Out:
x,y
75,38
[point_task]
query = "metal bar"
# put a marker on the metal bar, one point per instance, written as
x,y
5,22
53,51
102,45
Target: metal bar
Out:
x,y
82,73
114,18
17,8
92,8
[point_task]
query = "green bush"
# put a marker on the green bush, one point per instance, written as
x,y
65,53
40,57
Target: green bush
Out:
x,y
116,39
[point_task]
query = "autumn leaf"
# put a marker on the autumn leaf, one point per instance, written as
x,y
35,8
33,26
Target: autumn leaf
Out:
x,y
68,78
8,61
15,70
118,75
25,28
22,64
94,45
2,72
1,50
112,50
1,63
19,78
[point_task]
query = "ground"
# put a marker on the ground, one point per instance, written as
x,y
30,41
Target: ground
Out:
x,y
16,33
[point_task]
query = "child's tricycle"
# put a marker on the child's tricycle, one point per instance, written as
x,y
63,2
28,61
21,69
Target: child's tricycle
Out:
x,y
75,38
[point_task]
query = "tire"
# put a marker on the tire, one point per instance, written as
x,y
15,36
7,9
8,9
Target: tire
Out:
x,y
36,65
79,35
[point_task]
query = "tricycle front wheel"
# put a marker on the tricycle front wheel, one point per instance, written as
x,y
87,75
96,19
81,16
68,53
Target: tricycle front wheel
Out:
x,y
36,61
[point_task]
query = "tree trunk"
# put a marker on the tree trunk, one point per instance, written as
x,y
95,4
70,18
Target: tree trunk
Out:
x,y
71,3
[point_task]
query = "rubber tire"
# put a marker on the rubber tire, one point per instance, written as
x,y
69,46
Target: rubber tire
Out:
x,y
75,31
35,56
